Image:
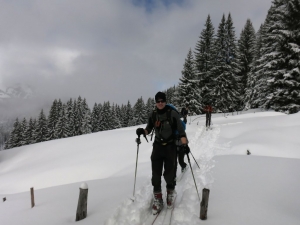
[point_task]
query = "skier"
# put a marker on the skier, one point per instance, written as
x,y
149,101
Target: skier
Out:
x,y
165,121
208,110
184,112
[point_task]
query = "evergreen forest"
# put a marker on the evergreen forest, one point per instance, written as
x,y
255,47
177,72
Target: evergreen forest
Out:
x,y
261,69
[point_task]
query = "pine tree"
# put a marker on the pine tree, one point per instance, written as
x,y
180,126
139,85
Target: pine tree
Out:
x,y
251,92
123,116
129,114
76,118
23,132
41,132
100,108
149,107
225,96
61,129
53,119
70,118
189,93
86,126
283,57
119,114
204,59
245,57
268,43
80,115
170,94
115,122
14,137
139,113
105,116
30,131
95,119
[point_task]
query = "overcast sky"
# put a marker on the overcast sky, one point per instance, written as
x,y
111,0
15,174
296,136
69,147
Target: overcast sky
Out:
x,y
116,50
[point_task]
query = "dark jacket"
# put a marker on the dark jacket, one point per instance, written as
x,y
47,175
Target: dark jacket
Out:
x,y
164,130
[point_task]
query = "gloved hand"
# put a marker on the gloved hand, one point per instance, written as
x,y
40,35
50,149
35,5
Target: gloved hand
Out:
x,y
185,149
140,131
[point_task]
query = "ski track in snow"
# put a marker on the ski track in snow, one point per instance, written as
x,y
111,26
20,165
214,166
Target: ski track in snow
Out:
x,y
187,205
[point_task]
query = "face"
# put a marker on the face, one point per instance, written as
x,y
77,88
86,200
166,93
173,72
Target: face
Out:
x,y
160,104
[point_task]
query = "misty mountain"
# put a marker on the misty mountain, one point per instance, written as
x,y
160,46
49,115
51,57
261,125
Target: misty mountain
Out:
x,y
20,92
19,101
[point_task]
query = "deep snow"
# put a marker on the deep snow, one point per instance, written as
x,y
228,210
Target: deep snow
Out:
x,y
261,188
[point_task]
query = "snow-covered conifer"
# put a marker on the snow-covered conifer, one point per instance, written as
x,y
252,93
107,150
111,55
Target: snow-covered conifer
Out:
x,y
282,68
204,59
23,132
245,57
30,131
149,107
115,122
52,120
41,132
61,129
86,126
224,90
129,114
140,115
70,118
189,93
95,118
14,137
105,117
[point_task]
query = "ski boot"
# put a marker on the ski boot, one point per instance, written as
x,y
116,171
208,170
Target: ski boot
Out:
x,y
157,203
170,198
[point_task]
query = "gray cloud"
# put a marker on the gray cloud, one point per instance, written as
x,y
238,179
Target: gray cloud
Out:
x,y
106,50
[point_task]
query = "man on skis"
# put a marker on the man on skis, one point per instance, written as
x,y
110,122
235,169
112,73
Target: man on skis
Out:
x,y
164,154
184,113
208,110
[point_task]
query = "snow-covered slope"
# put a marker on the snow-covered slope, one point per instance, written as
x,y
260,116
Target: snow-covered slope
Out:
x,y
261,188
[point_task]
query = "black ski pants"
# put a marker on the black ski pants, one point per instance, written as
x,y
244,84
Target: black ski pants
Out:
x,y
163,157
208,119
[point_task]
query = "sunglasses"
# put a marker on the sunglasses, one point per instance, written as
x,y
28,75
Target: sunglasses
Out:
x,y
160,101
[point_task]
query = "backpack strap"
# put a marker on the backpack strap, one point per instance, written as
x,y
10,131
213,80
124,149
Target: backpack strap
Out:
x,y
169,118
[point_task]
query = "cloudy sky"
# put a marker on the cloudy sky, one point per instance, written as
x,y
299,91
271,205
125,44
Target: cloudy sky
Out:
x,y
116,50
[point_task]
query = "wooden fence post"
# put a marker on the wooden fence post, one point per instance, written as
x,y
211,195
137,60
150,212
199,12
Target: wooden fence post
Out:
x,y
82,202
4,199
204,204
32,197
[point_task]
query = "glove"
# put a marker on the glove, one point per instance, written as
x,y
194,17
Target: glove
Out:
x,y
185,149
140,131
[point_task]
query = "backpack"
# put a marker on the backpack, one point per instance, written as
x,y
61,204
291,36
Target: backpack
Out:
x,y
183,124
170,107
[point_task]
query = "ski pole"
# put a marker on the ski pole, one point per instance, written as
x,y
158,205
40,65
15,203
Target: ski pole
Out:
x,y
193,176
138,141
195,160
